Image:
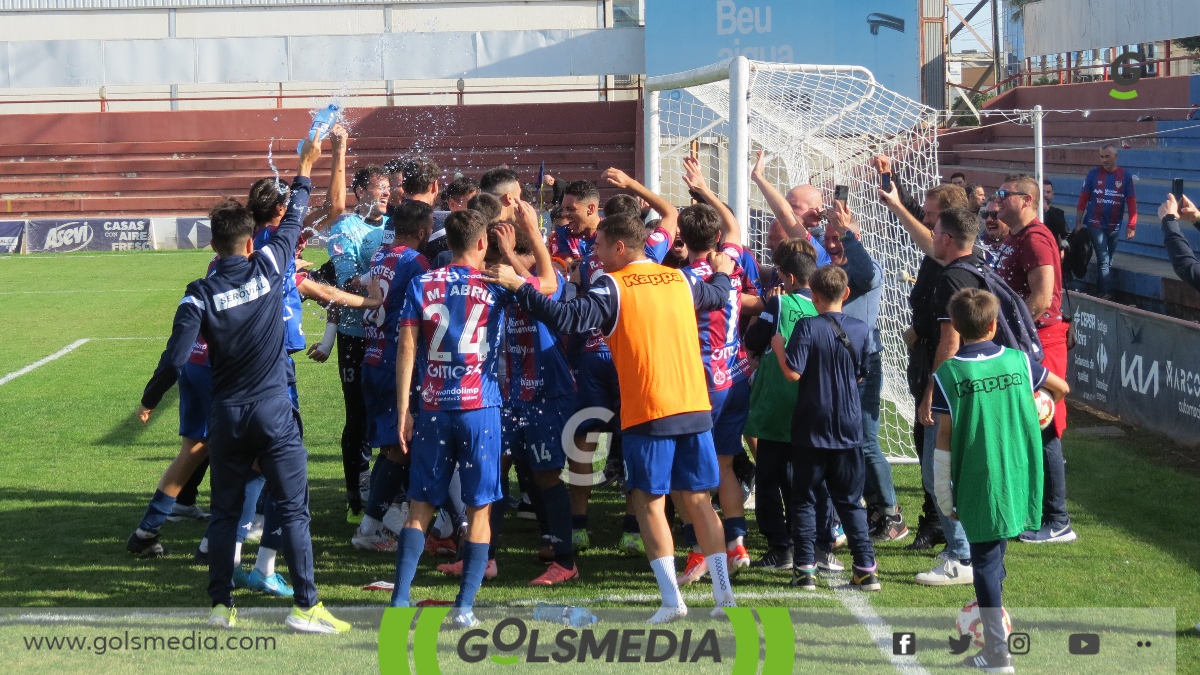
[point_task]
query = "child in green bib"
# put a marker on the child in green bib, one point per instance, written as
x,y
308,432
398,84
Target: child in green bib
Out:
x,y
988,461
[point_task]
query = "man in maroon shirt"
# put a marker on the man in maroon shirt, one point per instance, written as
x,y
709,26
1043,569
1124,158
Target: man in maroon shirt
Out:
x,y
1028,261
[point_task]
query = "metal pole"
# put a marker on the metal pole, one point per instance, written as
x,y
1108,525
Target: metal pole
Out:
x,y
739,143
651,143
1038,150
996,40
171,33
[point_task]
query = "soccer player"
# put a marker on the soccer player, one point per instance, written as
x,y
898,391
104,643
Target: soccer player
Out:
x,y
237,309
350,262
726,366
459,192
828,355
451,324
393,267
581,207
772,403
988,462
505,185
648,315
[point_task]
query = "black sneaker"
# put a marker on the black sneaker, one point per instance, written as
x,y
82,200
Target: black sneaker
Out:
x,y
145,548
891,528
929,534
525,511
875,518
776,558
804,579
990,663
200,556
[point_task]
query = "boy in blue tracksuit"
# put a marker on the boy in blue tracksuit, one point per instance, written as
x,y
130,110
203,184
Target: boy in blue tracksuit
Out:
x,y
236,308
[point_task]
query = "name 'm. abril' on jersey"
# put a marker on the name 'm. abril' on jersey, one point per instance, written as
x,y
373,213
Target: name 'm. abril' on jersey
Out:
x,y
459,314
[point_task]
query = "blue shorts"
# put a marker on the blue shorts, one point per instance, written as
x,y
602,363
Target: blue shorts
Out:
x,y
379,399
195,400
730,409
659,464
598,388
533,432
469,439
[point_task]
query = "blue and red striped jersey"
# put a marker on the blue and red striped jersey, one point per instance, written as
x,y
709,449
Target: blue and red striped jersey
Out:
x,y
459,315
564,244
721,350
536,358
1105,198
395,267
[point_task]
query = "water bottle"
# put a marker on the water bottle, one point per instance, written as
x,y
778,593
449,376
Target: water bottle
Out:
x,y
575,617
321,124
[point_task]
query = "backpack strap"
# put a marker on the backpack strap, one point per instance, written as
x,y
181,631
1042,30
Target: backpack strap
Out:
x,y
837,329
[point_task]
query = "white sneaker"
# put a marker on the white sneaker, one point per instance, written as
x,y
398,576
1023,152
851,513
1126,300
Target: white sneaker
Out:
x,y
395,517
255,534
949,572
667,614
829,562
463,618
749,503
191,512
380,540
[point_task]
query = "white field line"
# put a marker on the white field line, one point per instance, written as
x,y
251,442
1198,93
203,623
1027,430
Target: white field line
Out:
x,y
88,290
855,602
38,364
144,254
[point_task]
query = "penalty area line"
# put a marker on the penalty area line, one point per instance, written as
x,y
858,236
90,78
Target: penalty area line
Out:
x,y
855,602
38,364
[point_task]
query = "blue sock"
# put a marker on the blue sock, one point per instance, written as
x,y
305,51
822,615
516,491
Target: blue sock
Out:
x,y
558,509
156,512
579,522
272,537
630,524
496,515
734,528
385,483
689,535
474,565
254,488
408,553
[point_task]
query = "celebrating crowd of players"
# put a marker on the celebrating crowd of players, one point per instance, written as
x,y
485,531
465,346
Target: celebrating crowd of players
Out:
x,y
468,346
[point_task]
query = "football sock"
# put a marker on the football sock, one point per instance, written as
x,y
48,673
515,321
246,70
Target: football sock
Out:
x,y
689,536
496,517
630,524
369,525
735,529
558,509
408,553
237,554
203,547
718,569
578,521
156,514
668,586
265,562
538,499
474,565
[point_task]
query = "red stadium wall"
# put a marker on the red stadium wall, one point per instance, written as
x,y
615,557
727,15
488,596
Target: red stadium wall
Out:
x,y
180,163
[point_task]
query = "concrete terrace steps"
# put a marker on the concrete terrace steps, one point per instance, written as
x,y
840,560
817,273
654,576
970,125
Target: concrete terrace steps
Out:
x,y
183,162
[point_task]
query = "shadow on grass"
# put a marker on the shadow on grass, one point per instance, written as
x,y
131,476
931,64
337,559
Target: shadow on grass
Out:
x,y
130,428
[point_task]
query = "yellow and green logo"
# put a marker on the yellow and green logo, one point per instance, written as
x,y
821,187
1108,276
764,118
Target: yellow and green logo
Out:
x,y
512,641
1126,74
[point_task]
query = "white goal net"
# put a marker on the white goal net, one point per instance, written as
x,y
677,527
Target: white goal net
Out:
x,y
819,125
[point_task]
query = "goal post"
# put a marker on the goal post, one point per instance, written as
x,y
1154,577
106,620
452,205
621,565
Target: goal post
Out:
x,y
818,125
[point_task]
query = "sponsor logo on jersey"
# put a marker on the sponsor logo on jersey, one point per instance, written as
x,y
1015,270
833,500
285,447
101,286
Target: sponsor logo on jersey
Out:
x,y
989,384
452,372
68,237
653,279
247,292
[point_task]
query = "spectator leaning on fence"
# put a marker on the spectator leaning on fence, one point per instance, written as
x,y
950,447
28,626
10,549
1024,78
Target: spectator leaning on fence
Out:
x,y
1107,194
1183,259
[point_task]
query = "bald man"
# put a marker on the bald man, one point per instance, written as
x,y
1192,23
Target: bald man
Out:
x,y
802,210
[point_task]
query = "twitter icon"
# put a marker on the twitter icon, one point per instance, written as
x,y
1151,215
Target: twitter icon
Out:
x,y
960,644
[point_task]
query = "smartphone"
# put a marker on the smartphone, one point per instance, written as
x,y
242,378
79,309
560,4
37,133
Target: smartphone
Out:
x,y
841,193
885,180
1177,189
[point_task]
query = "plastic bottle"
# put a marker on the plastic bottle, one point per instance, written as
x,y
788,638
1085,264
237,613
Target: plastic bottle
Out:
x,y
322,122
575,617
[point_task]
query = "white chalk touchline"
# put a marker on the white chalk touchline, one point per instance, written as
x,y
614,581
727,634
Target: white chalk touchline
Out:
x,y
855,601
88,290
38,364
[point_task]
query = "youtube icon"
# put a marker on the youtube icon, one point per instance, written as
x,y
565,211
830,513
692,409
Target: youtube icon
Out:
x,y
1084,644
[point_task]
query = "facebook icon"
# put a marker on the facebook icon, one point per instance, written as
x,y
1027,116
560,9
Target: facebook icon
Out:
x,y
904,644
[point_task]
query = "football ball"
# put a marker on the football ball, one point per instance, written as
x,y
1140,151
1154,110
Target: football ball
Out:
x,y
970,623
1045,408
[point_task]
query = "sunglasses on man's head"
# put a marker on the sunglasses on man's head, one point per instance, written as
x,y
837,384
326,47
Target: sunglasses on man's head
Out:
x,y
1005,194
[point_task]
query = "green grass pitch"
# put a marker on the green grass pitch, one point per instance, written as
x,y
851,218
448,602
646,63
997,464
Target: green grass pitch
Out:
x,y
76,471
